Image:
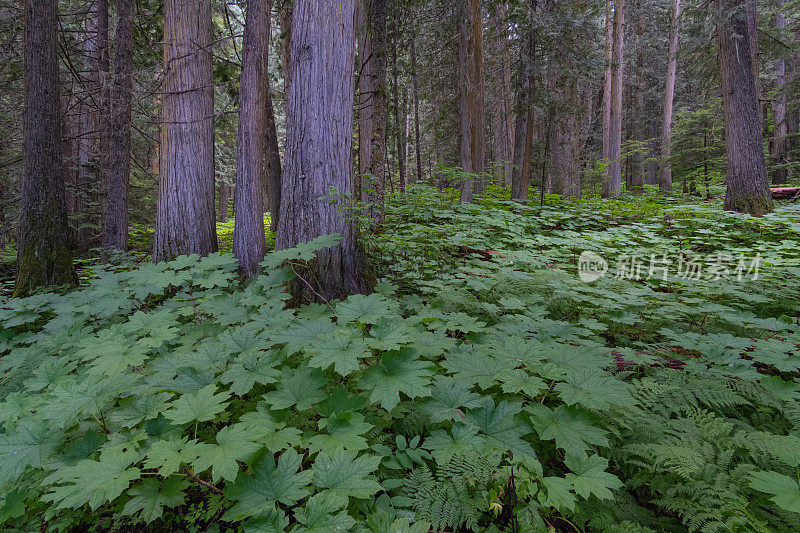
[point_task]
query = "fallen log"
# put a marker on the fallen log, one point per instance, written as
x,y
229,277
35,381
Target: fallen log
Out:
x,y
785,193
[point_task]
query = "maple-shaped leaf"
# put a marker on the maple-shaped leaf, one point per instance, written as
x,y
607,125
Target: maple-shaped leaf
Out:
x,y
398,372
463,441
475,365
345,475
449,397
344,430
93,482
390,334
367,309
200,406
340,350
503,430
168,454
151,496
302,252
784,490
593,389
301,387
134,409
252,367
322,514
590,477
234,443
557,493
571,428
270,482
301,334
31,444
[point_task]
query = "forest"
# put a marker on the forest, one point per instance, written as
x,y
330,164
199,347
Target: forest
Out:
x,y
400,266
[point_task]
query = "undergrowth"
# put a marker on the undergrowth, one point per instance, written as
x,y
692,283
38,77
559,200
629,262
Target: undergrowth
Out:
x,y
483,385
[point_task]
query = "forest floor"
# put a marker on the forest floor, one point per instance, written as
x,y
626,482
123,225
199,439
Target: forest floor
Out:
x,y
626,365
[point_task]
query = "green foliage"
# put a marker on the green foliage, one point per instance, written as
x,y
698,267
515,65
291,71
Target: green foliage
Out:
x,y
483,386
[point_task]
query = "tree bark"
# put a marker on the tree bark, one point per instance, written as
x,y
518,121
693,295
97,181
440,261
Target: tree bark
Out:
x,y
609,55
185,215
779,146
223,200
272,186
640,124
504,116
473,120
747,181
400,136
564,135
612,187
523,124
93,111
249,243
115,212
43,256
665,176
373,185
415,96
318,157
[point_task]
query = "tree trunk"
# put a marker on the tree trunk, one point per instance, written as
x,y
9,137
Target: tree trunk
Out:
x,y
93,111
223,201
249,243
640,123
609,55
612,187
747,182
523,126
115,213
751,10
779,152
318,137
415,96
373,186
473,120
504,116
272,186
652,164
399,131
665,176
43,256
564,135
185,216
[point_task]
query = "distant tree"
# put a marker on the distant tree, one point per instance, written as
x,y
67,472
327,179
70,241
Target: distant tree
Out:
x,y
117,171
612,187
779,144
747,181
43,256
665,175
318,139
185,215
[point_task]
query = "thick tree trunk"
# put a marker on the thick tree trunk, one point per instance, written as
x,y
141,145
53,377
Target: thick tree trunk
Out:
x,y
751,11
185,217
115,212
779,146
564,136
652,164
223,201
318,157
43,256
249,243
373,185
747,181
665,176
612,187
366,88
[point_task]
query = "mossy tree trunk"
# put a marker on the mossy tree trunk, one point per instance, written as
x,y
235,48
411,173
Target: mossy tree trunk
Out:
x,y
747,180
43,256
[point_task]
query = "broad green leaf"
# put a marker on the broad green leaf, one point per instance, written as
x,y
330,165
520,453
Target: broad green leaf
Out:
x,y
201,406
398,372
151,496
